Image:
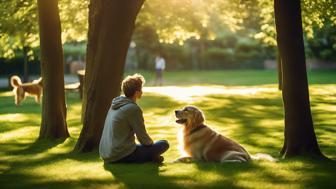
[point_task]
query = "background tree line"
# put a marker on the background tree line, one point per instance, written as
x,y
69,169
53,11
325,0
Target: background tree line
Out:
x,y
192,34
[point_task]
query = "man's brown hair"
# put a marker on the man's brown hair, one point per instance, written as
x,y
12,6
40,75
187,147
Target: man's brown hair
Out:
x,y
131,84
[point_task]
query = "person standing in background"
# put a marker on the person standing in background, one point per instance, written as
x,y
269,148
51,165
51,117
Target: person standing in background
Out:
x,y
160,65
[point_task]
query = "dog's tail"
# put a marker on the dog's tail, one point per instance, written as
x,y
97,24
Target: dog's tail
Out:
x,y
15,81
38,81
261,156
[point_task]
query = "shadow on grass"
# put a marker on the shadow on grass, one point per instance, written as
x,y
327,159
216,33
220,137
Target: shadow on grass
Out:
x,y
238,117
33,181
229,173
322,174
38,146
6,126
141,176
159,105
311,173
243,118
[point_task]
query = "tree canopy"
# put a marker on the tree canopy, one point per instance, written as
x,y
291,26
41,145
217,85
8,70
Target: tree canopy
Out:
x,y
19,24
172,21
316,15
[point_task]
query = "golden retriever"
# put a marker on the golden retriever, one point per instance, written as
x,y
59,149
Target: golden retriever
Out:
x,y
20,89
201,143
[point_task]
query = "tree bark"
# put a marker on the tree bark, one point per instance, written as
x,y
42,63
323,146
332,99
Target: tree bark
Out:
x,y
53,124
300,139
111,24
279,71
25,64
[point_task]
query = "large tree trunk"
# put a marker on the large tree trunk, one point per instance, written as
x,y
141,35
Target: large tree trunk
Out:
x,y
300,139
53,124
25,64
111,24
279,71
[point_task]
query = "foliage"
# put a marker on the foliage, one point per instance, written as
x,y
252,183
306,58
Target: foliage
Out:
x,y
208,22
323,43
316,15
228,51
19,28
74,20
74,50
175,21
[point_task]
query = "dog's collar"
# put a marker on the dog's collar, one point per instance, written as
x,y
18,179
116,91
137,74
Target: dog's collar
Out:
x,y
196,129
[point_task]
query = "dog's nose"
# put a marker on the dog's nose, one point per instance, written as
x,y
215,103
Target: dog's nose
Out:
x,y
176,111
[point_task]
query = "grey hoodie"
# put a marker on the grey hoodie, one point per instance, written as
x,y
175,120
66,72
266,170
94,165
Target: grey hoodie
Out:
x,y
123,120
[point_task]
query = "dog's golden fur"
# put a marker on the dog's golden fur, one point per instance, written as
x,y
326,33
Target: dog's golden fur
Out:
x,y
201,143
20,89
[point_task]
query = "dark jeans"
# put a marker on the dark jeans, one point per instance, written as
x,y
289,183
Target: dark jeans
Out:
x,y
144,154
159,73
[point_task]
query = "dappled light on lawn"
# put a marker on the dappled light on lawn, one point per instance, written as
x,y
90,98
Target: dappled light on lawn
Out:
x,y
251,115
16,117
190,93
17,133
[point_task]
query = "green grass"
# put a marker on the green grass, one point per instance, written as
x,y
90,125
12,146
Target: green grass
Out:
x,y
232,77
243,105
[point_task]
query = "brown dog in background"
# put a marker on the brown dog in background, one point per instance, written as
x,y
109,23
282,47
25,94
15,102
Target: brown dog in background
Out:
x,y
20,89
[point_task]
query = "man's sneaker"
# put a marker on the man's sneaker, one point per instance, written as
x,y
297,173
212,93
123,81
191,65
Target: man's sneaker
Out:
x,y
158,159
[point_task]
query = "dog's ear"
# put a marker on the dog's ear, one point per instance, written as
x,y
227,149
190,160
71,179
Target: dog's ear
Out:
x,y
199,117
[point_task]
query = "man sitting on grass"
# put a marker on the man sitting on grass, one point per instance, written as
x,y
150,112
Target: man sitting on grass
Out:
x,y
123,120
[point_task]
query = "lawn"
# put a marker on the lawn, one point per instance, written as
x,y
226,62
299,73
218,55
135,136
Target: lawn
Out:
x,y
243,105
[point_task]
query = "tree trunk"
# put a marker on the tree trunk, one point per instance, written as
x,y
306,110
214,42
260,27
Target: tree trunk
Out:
x,y
279,71
53,124
300,139
25,64
111,24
